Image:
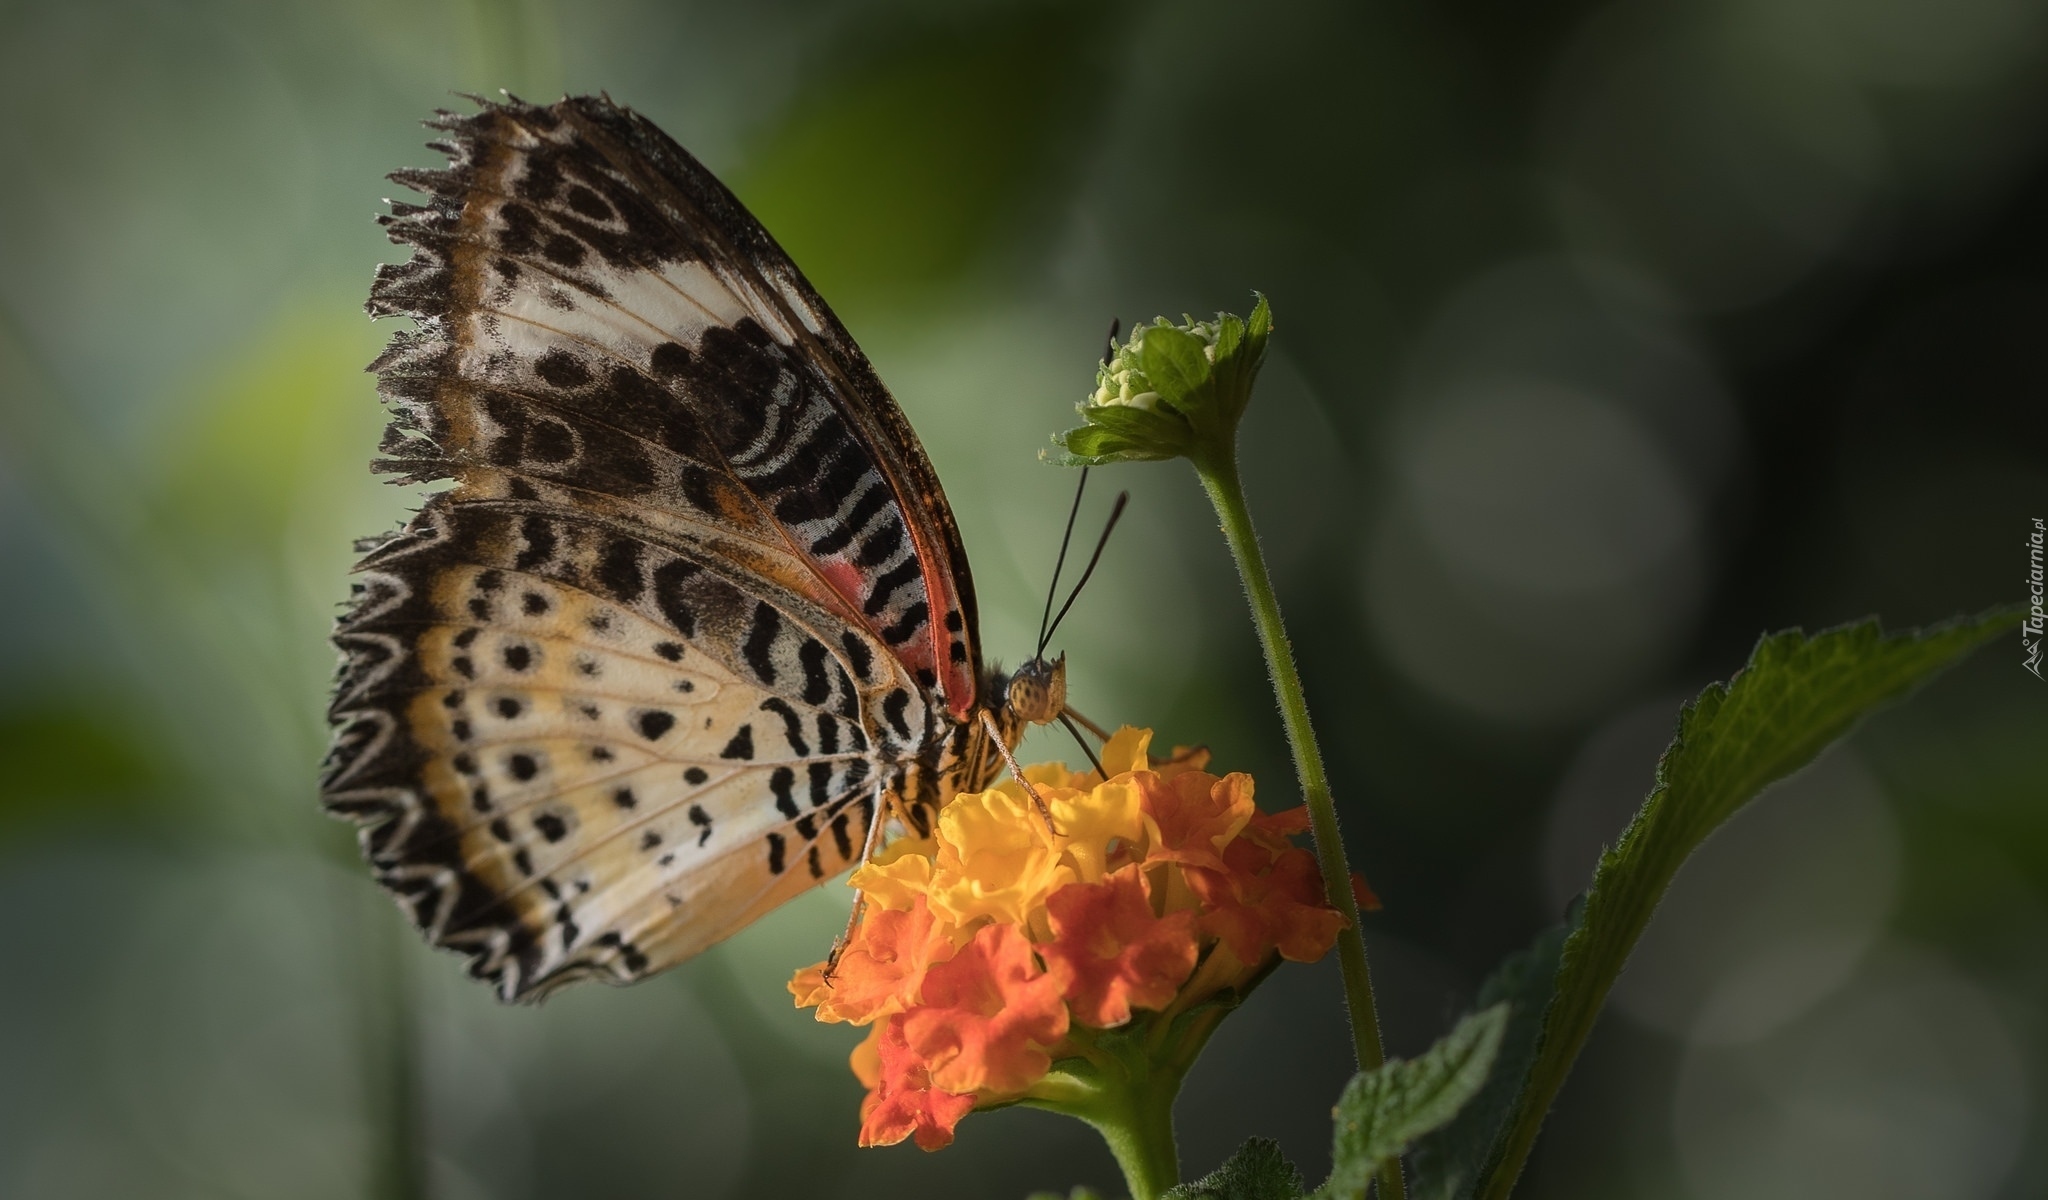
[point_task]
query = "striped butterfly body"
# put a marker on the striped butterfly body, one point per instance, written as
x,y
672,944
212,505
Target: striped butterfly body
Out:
x,y
694,612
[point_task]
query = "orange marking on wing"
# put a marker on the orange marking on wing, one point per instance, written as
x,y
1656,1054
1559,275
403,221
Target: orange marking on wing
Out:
x,y
938,644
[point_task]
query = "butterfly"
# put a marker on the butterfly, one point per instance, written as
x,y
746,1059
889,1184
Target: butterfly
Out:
x,y
693,620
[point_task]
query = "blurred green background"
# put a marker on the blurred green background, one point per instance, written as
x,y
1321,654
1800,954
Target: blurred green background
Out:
x,y
1611,334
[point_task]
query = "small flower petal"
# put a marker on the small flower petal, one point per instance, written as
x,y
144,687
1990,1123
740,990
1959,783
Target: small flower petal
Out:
x,y
1192,817
1110,952
989,1015
995,860
903,1101
880,970
1263,902
1094,822
1125,751
900,873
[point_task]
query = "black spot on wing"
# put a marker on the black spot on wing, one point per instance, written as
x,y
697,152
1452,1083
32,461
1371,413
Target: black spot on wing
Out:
x,y
760,642
885,587
670,579
588,203
782,783
564,251
858,654
841,534
561,369
792,725
812,656
906,628
881,545
619,570
538,538
670,359
741,746
893,708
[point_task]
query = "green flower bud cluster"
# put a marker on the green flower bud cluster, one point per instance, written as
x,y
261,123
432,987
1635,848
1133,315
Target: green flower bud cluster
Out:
x,y
1171,391
1122,379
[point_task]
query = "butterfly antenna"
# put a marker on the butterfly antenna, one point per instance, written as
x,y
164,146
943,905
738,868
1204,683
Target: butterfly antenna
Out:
x,y
1067,538
1116,512
1076,714
1085,747
1053,589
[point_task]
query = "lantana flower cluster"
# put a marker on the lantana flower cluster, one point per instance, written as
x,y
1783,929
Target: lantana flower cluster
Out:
x,y
992,948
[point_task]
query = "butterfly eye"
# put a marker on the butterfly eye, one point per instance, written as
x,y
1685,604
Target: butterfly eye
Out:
x,y
1038,691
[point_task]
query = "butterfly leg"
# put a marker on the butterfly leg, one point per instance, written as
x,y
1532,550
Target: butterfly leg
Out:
x,y
882,807
988,723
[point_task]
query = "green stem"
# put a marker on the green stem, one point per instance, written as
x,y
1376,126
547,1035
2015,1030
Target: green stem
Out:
x,y
1142,1139
1219,476
1128,1097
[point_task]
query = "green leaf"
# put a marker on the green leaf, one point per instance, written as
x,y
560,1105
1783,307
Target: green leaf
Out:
x,y
1177,364
1237,365
1092,446
1258,1171
1445,1164
1139,423
1384,1110
1797,695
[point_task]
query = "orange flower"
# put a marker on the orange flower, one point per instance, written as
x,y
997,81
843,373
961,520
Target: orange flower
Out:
x,y
1111,953
992,948
1264,901
881,969
903,1101
989,1015
1193,816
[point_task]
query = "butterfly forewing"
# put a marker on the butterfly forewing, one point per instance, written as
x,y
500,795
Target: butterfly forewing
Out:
x,y
585,267
694,604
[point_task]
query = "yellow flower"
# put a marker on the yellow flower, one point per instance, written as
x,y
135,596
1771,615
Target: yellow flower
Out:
x,y
898,874
1125,751
1093,822
995,858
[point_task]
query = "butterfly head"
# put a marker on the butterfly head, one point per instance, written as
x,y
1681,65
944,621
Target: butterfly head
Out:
x,y
1037,693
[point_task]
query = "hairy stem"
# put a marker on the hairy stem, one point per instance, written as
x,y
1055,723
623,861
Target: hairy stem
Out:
x,y
1220,479
1128,1097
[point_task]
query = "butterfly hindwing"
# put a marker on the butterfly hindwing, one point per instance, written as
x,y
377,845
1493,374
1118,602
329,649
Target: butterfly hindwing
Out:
x,y
551,727
694,603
